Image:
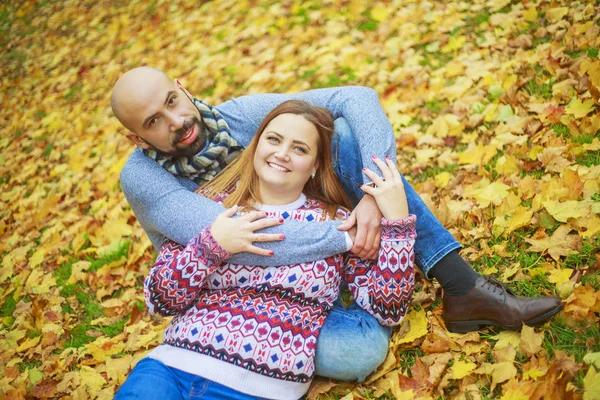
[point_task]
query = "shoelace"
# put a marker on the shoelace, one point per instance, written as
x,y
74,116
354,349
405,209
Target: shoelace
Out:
x,y
492,282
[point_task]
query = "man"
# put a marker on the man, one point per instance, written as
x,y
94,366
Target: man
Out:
x,y
183,142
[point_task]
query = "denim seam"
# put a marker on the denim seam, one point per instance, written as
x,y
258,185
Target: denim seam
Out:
x,y
426,266
350,178
193,394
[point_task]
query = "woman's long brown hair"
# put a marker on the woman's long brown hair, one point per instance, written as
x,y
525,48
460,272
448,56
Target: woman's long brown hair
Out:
x,y
324,187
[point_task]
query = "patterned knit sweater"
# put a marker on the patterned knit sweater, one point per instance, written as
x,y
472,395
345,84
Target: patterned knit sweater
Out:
x,y
255,328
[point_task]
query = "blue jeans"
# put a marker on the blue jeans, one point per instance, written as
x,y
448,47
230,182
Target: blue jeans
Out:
x,y
352,344
433,240
153,380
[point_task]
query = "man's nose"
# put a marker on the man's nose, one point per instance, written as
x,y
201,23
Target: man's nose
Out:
x,y
176,121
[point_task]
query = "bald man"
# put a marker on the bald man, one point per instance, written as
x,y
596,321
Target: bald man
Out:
x,y
183,142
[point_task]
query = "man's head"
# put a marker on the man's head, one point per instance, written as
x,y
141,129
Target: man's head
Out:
x,y
158,112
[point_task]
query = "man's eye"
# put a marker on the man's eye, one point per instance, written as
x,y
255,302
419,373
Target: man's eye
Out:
x,y
172,100
152,122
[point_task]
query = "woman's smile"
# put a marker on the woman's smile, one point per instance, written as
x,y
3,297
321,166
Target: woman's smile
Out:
x,y
277,167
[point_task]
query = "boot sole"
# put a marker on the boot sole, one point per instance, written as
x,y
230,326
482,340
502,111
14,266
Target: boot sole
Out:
x,y
475,325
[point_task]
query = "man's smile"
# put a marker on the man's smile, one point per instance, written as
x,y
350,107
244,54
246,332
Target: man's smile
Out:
x,y
189,136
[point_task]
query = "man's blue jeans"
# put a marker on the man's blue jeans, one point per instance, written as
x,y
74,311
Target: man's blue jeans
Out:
x,y
352,344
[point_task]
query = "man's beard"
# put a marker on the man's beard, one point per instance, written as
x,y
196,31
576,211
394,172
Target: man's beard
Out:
x,y
187,150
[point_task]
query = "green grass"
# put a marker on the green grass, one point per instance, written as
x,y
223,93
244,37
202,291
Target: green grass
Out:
x,y
408,358
121,251
543,90
559,336
589,158
8,308
432,171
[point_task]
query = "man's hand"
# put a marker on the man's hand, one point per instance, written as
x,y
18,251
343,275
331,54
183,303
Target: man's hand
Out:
x,y
236,235
367,218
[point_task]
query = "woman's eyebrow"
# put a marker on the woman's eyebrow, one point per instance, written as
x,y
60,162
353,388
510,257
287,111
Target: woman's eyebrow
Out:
x,y
293,141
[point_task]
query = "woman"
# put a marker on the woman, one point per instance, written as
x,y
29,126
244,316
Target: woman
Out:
x,y
247,332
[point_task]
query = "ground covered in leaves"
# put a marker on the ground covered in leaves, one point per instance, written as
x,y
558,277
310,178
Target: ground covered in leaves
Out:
x,y
495,107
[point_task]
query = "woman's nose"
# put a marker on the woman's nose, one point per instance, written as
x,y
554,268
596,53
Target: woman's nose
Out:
x,y
282,154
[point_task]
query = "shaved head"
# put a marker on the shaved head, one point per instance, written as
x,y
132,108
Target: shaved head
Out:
x,y
131,85
158,112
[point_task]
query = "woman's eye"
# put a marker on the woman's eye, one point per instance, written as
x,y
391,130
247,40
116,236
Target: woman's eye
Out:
x,y
300,150
273,139
172,100
152,122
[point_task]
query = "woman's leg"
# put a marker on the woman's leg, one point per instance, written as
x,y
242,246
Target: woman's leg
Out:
x,y
151,380
204,389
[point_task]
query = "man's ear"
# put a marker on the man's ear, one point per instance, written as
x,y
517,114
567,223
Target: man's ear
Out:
x,y
180,86
138,141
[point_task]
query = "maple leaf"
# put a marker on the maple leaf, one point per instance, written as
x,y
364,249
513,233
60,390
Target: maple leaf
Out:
x,y
591,384
561,243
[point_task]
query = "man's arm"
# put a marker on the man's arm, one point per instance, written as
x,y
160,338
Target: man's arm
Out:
x,y
362,110
359,105
166,208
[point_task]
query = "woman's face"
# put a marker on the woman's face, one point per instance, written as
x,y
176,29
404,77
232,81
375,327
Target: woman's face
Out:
x,y
286,154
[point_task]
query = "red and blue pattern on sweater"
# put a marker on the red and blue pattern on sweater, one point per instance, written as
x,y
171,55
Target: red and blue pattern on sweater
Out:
x,y
266,320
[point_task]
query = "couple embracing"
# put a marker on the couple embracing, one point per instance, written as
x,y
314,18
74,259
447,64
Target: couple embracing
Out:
x,y
250,322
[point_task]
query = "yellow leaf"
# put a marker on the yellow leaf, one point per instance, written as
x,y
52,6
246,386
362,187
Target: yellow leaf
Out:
x,y
591,385
509,272
492,193
37,258
560,276
477,155
35,375
502,372
579,109
554,15
562,211
417,321
515,394
29,343
455,43
460,369
442,179
592,359
506,338
91,379
559,244
533,374
594,146
530,14
531,342
507,165
424,155
379,13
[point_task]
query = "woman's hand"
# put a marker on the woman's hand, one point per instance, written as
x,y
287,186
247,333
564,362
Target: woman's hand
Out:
x,y
389,191
236,235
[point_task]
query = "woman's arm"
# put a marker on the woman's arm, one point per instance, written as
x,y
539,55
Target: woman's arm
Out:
x,y
384,287
179,273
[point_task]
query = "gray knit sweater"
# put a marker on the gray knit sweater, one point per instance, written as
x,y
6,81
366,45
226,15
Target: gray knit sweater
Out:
x,y
166,206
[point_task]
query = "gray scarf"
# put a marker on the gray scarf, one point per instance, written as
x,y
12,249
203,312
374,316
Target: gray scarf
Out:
x,y
203,167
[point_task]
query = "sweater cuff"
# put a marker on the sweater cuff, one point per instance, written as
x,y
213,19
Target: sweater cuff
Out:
x,y
207,249
404,228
